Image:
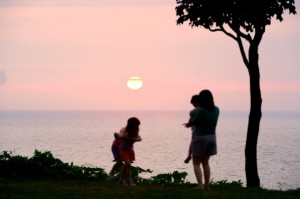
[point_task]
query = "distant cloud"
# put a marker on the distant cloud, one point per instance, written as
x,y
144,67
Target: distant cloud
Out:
x,y
2,77
86,2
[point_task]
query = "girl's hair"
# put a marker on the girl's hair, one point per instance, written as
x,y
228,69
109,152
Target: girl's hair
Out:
x,y
206,100
132,125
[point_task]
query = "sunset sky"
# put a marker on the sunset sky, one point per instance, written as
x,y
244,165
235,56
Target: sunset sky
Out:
x,y
79,54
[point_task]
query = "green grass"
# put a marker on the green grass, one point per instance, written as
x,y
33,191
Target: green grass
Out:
x,y
87,189
46,177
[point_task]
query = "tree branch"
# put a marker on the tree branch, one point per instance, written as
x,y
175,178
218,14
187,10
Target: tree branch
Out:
x,y
214,30
228,33
237,38
240,33
239,41
241,46
223,30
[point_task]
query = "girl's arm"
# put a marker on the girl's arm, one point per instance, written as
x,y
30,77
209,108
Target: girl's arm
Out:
x,y
137,138
188,125
194,119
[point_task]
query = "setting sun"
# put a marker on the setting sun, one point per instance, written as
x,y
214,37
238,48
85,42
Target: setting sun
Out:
x,y
134,83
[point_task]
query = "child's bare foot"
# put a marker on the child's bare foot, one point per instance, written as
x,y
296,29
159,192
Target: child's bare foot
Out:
x,y
187,160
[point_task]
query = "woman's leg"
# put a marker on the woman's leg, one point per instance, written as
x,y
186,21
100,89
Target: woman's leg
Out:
x,y
197,170
206,170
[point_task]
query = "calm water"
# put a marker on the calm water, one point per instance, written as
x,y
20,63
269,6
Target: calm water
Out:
x,y
85,137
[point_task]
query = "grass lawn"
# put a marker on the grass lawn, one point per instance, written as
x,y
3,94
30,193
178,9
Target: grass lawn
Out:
x,y
63,189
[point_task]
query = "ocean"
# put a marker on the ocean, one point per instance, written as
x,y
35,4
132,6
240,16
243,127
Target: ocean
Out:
x,y
85,138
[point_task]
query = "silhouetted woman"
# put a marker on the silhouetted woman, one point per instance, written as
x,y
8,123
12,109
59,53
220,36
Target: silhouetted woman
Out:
x,y
204,142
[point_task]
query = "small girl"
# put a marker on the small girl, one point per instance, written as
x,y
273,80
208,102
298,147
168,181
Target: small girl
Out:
x,y
195,103
127,137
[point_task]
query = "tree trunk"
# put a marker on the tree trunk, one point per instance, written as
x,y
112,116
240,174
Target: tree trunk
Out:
x,y
254,119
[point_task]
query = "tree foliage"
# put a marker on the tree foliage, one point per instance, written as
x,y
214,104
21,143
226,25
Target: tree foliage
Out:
x,y
245,14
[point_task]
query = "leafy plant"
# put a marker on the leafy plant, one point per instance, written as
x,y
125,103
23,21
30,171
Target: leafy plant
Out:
x,y
44,165
225,183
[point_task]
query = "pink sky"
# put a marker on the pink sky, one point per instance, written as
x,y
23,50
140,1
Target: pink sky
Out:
x,y
79,56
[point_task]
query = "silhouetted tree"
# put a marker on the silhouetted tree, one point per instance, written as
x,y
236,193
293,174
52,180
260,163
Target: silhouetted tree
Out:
x,y
244,21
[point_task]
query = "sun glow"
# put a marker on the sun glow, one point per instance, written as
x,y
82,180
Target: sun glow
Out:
x,y
134,83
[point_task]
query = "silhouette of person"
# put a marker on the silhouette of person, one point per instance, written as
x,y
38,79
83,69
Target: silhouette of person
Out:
x,y
204,142
128,136
195,103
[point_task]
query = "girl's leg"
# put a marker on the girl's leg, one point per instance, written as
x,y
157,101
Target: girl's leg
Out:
x,y
122,175
127,168
127,176
206,170
117,165
197,170
125,173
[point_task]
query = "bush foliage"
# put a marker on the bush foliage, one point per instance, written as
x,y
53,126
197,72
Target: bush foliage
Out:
x,y
44,165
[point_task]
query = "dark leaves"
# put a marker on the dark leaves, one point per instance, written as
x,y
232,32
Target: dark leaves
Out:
x,y
248,14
